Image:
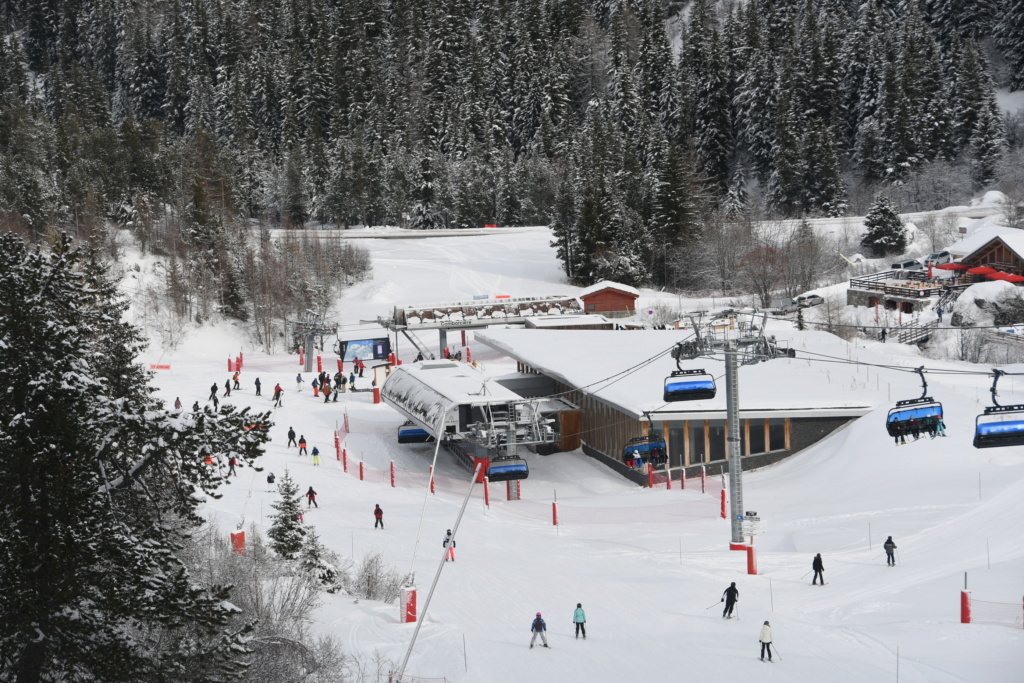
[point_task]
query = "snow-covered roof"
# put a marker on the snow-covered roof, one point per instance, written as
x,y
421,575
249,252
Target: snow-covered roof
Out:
x,y
1012,237
425,391
563,320
607,284
598,359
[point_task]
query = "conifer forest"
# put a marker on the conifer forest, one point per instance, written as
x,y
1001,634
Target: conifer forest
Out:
x,y
642,131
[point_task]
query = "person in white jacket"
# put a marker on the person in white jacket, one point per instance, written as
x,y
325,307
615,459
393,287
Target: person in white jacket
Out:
x,y
766,640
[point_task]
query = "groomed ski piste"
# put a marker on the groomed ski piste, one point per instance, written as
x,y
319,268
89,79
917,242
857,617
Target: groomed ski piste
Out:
x,y
650,590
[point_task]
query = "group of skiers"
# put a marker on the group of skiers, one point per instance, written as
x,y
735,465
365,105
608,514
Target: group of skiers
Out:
x,y
539,627
934,426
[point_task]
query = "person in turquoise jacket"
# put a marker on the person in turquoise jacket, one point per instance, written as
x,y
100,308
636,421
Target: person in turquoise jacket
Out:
x,y
579,617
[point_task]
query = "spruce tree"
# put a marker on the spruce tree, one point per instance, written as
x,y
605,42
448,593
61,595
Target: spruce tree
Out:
x,y
102,485
886,235
286,533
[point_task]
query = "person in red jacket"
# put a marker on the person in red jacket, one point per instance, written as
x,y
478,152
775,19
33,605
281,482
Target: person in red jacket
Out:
x,y
379,515
311,498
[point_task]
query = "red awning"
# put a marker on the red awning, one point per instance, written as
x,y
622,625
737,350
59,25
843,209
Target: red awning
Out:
x,y
998,275
952,266
981,270
1014,278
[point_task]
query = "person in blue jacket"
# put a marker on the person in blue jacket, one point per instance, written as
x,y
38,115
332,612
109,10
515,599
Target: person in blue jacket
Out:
x,y
579,617
538,627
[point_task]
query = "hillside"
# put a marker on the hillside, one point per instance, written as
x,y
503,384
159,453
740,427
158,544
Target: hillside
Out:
x,y
650,589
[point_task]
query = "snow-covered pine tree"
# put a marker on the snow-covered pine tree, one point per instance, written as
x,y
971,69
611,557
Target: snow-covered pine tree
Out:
x,y
286,532
318,560
1009,35
987,146
102,484
886,235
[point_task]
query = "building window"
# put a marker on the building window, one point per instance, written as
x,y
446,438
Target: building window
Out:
x,y
757,440
590,307
697,448
777,434
716,440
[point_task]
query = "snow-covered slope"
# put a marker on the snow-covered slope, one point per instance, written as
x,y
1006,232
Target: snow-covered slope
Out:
x,y
651,590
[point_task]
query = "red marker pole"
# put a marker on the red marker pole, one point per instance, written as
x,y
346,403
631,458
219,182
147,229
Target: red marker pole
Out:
x,y
392,474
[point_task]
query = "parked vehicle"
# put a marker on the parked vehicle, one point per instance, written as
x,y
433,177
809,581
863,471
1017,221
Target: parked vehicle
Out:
x,y
909,264
938,258
809,300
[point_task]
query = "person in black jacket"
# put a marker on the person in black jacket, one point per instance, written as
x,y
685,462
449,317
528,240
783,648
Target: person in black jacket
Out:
x,y
449,542
819,570
890,549
213,392
730,596
291,438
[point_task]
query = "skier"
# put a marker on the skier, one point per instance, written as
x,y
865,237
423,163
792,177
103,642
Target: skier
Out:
x,y
940,427
302,446
213,391
298,382
257,385
379,517
449,543
231,465
316,387
234,378
316,456
890,550
278,393
766,640
216,403
311,498
819,571
538,627
339,383
579,617
327,392
336,392
227,387
729,597
177,403
352,382
291,438
270,482
362,366
883,335
195,407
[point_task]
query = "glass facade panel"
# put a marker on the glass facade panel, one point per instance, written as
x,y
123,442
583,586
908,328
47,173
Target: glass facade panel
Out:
x,y
757,444
676,438
696,441
777,438
716,438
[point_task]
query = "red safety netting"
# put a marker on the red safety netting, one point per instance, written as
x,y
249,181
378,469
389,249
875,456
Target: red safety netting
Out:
x,y
701,506
997,613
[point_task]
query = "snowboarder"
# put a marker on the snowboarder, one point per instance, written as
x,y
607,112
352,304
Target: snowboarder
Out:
x,y
378,517
766,640
819,571
298,382
213,391
231,465
302,446
316,456
890,550
270,482
291,438
234,378
327,392
579,617
311,498
449,543
177,403
729,597
257,385
227,387
538,627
